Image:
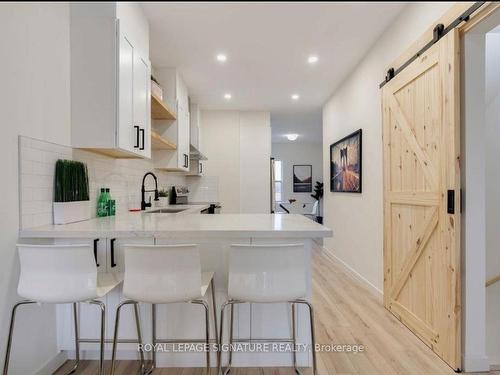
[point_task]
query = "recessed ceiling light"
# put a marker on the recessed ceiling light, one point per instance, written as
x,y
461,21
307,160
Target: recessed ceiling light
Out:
x,y
221,57
292,137
295,96
227,96
313,59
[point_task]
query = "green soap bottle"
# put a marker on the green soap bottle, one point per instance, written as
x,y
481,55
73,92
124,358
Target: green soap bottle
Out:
x,y
110,204
101,204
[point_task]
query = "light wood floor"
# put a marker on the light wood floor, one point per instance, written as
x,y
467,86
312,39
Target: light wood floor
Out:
x,y
346,313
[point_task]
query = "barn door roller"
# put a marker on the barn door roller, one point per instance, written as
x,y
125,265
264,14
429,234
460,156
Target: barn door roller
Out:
x,y
438,32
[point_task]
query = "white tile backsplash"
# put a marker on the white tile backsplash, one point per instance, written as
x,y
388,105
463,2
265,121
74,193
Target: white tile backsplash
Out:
x,y
36,182
123,176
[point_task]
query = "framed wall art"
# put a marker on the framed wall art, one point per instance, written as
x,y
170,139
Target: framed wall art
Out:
x,y
345,164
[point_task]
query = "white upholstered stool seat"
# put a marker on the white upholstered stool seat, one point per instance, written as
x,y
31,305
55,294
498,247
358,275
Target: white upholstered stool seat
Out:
x,y
62,274
163,274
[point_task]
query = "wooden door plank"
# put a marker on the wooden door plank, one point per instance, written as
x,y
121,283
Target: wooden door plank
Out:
x,y
425,162
427,333
416,198
415,254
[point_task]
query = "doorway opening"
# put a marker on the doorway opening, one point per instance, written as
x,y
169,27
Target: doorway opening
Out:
x,y
297,166
481,183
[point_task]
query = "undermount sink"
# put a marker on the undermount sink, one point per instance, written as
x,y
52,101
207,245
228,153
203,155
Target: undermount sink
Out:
x,y
166,211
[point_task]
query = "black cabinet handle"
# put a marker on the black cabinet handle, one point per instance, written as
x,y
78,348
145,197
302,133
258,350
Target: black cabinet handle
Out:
x,y
112,243
95,251
201,168
136,136
142,136
186,161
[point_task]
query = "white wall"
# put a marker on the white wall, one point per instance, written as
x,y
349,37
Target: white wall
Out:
x,y
221,144
299,153
356,104
492,136
238,147
473,215
255,154
34,101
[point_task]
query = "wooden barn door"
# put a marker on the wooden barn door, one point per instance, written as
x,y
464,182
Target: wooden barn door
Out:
x,y
422,183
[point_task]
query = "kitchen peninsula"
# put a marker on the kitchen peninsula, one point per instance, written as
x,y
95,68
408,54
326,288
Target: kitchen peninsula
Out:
x,y
214,234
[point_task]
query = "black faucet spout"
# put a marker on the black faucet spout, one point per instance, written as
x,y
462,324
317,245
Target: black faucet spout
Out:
x,y
144,205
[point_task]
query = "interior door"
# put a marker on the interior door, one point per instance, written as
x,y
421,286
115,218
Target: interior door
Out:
x,y
422,196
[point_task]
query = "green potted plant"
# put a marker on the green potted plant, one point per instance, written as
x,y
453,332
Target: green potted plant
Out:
x,y
318,194
71,192
163,198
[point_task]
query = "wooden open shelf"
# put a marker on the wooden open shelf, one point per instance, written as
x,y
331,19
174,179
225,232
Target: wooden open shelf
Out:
x,y
161,143
159,110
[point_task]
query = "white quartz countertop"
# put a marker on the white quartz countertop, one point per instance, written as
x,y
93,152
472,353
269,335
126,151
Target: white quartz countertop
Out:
x,y
187,224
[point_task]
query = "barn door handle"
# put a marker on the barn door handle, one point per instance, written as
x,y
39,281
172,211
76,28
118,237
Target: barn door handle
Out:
x,y
451,201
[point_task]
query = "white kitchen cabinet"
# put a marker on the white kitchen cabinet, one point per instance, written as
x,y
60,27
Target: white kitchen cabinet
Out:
x,y
195,141
196,168
110,79
175,94
196,156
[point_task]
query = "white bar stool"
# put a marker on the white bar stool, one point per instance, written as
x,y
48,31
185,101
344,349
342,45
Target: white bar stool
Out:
x,y
61,274
267,274
163,274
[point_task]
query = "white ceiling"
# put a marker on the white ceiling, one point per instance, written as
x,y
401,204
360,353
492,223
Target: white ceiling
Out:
x,y
267,45
308,125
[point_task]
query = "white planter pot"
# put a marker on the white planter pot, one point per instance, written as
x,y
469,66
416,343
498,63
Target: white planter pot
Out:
x,y
162,202
71,212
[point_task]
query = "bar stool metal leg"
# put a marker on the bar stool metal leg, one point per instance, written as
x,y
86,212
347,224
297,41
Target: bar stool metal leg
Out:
x,y
139,337
103,333
231,338
214,308
115,336
11,332
77,340
294,337
153,335
313,338
207,331
221,336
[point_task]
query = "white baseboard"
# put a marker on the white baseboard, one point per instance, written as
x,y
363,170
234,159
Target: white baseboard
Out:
x,y
476,364
356,274
53,364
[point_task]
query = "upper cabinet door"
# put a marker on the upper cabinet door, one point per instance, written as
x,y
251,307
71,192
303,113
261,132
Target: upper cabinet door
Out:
x,y
128,135
142,104
109,80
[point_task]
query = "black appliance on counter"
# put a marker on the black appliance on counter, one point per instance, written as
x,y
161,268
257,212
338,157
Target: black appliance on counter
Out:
x,y
179,195
213,209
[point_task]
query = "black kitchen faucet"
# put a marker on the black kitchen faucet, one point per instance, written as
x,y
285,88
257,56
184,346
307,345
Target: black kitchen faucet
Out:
x,y
143,191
